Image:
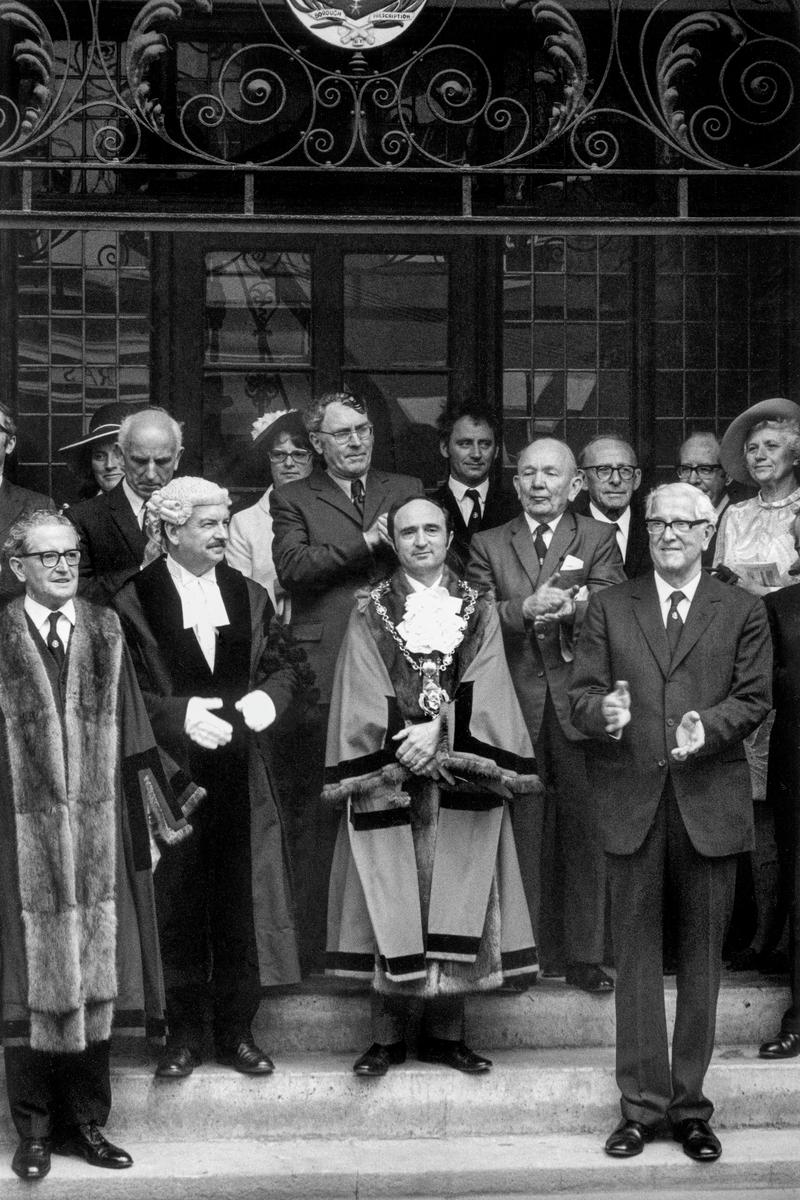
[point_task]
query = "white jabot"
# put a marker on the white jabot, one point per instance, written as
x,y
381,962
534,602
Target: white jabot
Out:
x,y
464,501
665,591
622,522
41,619
203,607
136,502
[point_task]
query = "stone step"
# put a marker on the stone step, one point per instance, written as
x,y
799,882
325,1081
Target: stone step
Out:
x,y
327,1016
528,1092
763,1163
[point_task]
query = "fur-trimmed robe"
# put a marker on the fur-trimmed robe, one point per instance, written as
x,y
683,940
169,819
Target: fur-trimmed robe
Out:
x,y
79,775
425,888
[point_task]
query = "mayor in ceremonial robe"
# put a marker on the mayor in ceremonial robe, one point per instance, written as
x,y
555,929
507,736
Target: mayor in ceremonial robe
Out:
x,y
426,746
80,779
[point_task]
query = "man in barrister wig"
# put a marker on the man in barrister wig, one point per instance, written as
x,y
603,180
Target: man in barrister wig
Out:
x,y
426,746
215,673
79,777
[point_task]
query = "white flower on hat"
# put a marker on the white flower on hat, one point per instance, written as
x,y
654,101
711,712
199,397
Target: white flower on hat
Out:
x,y
263,423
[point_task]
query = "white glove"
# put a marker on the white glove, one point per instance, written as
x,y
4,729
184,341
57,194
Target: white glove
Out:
x,y
257,709
203,727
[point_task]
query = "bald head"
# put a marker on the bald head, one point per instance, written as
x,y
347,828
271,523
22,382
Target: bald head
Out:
x,y
151,444
547,478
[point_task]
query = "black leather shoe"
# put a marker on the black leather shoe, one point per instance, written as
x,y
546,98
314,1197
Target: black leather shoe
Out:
x,y
176,1064
453,1054
87,1142
785,1045
697,1139
589,977
628,1139
32,1158
377,1060
248,1058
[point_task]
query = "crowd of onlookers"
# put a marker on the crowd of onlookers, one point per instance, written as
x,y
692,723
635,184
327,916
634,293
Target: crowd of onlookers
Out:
x,y
438,741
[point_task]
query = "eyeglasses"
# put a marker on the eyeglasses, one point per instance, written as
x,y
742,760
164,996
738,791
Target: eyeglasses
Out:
x,y
7,432
343,436
301,457
704,470
51,558
605,470
658,528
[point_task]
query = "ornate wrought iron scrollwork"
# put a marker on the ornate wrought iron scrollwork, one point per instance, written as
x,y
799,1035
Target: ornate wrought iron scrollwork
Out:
x,y
714,89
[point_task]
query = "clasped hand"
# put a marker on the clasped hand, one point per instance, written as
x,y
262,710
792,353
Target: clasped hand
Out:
x,y
689,735
550,603
211,732
416,747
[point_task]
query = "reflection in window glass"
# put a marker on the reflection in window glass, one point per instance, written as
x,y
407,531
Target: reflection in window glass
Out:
x,y
395,310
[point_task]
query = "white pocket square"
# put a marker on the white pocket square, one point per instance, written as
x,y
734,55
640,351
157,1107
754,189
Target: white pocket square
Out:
x,y
571,563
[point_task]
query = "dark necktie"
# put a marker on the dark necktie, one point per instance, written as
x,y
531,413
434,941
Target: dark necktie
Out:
x,y
674,622
474,522
357,496
54,643
539,544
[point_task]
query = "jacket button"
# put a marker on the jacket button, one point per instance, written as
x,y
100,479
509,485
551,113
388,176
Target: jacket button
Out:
x,y
662,762
540,636
540,674
670,722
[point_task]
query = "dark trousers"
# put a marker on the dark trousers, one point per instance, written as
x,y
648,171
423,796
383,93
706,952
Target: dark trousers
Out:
x,y
50,1093
204,904
787,834
703,888
565,847
442,1017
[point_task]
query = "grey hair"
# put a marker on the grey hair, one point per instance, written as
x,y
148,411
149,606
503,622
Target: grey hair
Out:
x,y
149,416
9,419
17,541
703,508
315,413
606,437
790,426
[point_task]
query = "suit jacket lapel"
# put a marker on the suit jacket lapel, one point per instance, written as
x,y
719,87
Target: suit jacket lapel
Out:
x,y
10,503
122,515
700,615
523,545
162,606
375,497
647,611
560,543
330,493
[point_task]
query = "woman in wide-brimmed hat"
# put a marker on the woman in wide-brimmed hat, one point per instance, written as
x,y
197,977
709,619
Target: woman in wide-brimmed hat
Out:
x,y
95,458
762,446
284,438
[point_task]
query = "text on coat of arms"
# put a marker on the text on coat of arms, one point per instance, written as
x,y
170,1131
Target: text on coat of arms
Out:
x,y
356,24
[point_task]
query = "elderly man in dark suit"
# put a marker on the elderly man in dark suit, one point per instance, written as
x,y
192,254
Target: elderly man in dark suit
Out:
x,y
329,540
611,479
672,671
15,502
469,440
540,568
113,538
699,464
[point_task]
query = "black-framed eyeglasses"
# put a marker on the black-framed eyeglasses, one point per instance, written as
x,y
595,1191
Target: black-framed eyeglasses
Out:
x,y
51,558
604,471
6,431
704,470
301,457
342,436
658,527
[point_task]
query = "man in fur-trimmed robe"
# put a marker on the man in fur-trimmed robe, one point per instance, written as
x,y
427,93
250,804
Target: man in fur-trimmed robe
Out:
x,y
215,675
78,769
426,745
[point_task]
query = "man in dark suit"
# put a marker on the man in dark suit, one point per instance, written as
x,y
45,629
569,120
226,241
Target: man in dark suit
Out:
x,y
611,479
113,538
540,569
783,788
15,502
469,440
329,540
672,671
213,682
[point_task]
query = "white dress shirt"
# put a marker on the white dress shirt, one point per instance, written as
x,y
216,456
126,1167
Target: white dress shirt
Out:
x,y
464,501
347,484
665,590
203,607
622,522
552,526
417,586
41,619
136,502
